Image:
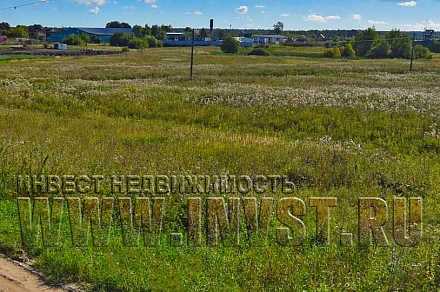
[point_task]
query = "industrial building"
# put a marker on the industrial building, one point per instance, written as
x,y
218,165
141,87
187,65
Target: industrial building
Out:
x,y
102,34
270,39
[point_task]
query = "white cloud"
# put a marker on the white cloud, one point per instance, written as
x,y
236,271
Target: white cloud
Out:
x,y
422,25
332,17
152,3
95,4
320,18
408,4
242,9
195,12
285,15
356,17
377,22
92,2
95,10
260,6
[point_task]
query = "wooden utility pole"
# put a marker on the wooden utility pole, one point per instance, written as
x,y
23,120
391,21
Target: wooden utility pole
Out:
x,y
192,54
412,53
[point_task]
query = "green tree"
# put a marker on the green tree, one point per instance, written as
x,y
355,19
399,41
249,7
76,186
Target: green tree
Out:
x,y
120,39
77,40
400,44
153,42
421,52
147,29
203,33
348,51
381,49
333,53
138,43
278,27
365,41
20,31
435,47
166,28
117,24
4,26
230,45
139,31
155,31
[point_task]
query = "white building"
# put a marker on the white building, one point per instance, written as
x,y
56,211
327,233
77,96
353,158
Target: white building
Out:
x,y
270,39
245,42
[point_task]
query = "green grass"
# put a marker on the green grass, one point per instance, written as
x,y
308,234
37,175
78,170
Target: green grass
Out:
x,y
336,127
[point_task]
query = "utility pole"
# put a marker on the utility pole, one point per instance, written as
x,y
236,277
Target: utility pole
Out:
x,y
192,54
412,53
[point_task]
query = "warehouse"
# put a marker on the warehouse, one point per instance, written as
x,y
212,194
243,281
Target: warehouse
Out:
x,y
102,34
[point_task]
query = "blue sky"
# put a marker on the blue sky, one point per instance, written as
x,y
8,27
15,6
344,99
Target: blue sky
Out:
x,y
295,14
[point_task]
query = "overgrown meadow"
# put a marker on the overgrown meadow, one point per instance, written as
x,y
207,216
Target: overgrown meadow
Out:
x,y
342,128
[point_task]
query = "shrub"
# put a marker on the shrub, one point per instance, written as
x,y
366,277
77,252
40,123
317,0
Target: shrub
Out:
x,y
259,52
152,42
77,40
435,47
400,44
19,31
333,53
125,50
230,46
138,43
348,51
421,52
120,39
381,49
364,41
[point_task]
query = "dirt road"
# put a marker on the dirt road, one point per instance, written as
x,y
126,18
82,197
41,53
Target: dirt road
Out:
x,y
15,278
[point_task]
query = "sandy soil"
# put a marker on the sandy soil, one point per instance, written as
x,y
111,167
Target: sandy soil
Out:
x,y
15,278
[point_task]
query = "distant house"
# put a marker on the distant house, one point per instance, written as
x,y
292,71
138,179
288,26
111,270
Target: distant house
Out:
x,y
245,42
60,46
175,36
270,39
104,35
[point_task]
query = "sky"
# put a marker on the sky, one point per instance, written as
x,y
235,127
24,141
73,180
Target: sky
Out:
x,y
295,14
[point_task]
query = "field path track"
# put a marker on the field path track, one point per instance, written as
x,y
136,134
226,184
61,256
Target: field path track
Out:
x,y
16,278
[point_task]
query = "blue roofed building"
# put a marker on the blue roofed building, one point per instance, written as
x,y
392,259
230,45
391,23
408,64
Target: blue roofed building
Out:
x,y
102,34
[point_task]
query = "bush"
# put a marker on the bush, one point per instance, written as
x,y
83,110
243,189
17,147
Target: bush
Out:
x,y
259,52
421,52
125,50
348,51
152,42
365,40
120,40
333,53
128,40
19,31
400,44
77,40
435,47
138,43
381,49
230,46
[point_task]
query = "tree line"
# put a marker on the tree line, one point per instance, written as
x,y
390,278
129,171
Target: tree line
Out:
x,y
22,31
370,44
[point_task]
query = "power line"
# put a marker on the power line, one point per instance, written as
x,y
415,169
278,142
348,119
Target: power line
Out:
x,y
24,5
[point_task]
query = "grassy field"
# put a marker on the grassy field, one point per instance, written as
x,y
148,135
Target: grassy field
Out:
x,y
343,128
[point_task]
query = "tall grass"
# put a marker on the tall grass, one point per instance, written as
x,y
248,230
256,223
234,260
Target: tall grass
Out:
x,y
335,128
